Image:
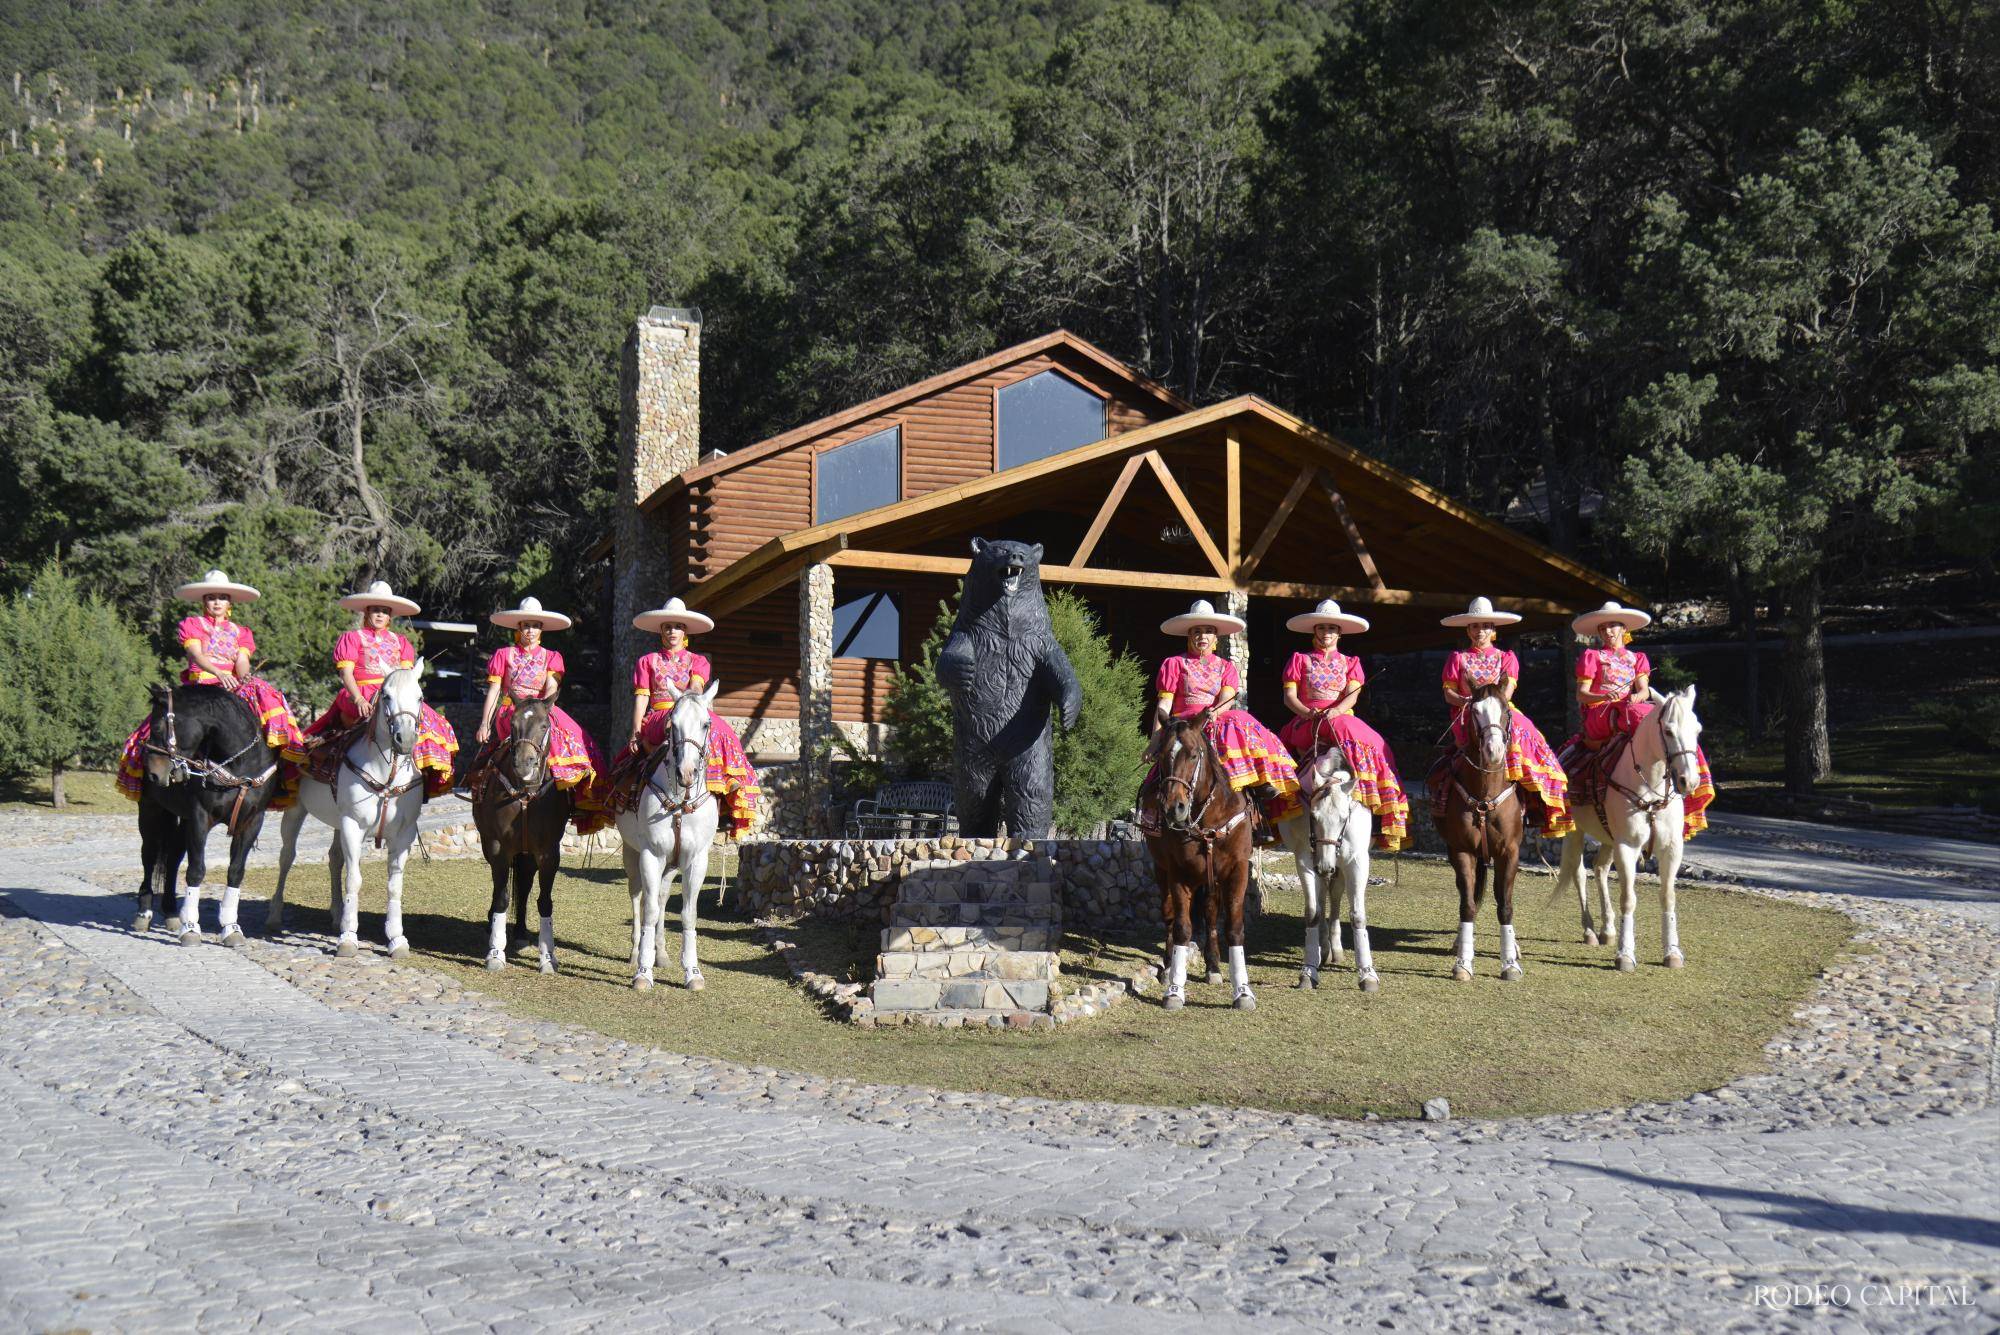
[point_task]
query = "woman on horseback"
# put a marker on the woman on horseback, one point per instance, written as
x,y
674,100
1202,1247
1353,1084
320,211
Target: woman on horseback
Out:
x,y
1613,684
1252,756
1530,762
1320,690
661,677
218,653
362,657
529,670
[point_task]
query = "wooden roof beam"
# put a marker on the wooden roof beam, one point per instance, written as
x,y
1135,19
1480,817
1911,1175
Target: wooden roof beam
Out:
x,y
1106,510
1188,516
1276,522
1352,530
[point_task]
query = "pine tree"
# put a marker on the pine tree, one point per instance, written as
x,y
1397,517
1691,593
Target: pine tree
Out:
x,y
77,679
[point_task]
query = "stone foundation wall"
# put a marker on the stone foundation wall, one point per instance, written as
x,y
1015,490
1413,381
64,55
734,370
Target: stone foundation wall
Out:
x,y
1106,883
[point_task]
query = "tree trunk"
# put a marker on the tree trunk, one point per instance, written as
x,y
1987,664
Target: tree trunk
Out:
x,y
1744,607
57,798
1808,750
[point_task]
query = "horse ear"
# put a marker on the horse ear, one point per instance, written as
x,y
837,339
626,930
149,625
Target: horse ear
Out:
x,y
708,696
1690,695
673,691
421,666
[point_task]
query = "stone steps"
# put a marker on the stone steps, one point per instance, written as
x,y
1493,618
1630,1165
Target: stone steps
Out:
x,y
1038,936
971,993
968,915
1005,964
971,939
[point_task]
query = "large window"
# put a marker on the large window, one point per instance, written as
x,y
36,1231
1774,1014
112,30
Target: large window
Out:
x,y
1046,414
868,626
860,475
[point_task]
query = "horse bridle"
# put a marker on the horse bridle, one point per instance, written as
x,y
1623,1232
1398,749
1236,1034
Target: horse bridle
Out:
x,y
1192,829
1652,805
517,795
211,773
692,794
385,789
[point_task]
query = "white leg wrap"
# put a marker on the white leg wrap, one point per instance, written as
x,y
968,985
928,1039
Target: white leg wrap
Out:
x,y
230,895
496,935
1673,927
191,910
1465,945
1626,944
1364,958
1177,971
548,942
1510,953
1239,972
1312,950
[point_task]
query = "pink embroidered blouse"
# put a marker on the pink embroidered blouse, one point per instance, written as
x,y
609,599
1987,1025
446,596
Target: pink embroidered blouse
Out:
x,y
1323,678
1195,683
682,668
1466,668
373,654
523,672
1611,671
220,640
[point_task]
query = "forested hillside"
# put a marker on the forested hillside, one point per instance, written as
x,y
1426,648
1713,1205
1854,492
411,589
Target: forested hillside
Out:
x,y
319,292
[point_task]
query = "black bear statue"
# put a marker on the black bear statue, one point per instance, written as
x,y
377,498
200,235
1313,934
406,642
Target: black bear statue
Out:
x,y
1004,672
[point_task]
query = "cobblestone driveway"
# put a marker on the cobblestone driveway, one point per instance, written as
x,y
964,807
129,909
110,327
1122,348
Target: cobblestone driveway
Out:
x,y
205,1139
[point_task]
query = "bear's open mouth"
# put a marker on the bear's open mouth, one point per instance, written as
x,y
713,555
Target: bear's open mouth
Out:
x,y
1010,576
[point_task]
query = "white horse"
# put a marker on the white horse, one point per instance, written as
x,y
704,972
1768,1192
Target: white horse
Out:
x,y
1330,845
1643,808
669,831
377,793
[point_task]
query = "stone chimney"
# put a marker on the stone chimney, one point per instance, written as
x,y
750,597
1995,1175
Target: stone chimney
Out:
x,y
659,438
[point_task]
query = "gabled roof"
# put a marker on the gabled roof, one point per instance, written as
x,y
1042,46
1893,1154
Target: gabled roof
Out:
x,y
889,402
1415,527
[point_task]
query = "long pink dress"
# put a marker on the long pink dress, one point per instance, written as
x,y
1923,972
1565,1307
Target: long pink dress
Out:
x,y
1251,753
1530,761
574,759
1612,672
373,655
730,776
221,640
1323,678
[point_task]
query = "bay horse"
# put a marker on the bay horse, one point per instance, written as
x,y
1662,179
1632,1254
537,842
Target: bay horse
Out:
x,y
207,764
1197,829
521,813
1482,823
1643,805
1336,832
669,831
377,792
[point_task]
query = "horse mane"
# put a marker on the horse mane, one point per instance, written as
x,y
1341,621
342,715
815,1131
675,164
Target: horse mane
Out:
x,y
1489,691
209,704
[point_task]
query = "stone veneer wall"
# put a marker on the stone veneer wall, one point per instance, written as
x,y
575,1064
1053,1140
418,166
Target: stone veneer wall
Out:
x,y
1237,604
1106,883
659,438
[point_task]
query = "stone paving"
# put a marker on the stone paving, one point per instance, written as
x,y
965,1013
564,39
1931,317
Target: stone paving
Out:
x,y
211,1139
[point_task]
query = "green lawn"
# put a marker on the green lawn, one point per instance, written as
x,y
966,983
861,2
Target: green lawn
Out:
x,y
88,792
1574,1035
1900,760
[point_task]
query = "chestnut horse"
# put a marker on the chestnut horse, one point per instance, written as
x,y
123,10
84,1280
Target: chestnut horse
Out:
x,y
521,814
1481,825
1197,828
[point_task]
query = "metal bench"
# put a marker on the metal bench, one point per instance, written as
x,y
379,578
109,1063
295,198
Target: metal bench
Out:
x,y
912,809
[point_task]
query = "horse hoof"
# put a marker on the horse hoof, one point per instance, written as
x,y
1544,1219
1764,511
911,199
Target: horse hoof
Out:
x,y
1675,960
696,982
1511,974
548,965
1460,974
191,937
173,924
1371,984
1590,937
1627,964
234,939
1308,981
399,948
346,950
496,962
1246,1002
1173,1002
642,983
274,926
143,923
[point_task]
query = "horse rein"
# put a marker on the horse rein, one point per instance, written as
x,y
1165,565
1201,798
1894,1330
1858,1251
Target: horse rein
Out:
x,y
211,773
385,789
1483,809
691,796
517,795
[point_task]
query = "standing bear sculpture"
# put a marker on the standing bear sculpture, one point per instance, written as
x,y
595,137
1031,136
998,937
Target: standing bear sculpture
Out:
x,y
1004,672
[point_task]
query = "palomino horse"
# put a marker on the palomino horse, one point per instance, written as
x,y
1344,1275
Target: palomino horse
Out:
x,y
207,764
668,832
378,793
1482,825
1642,807
521,812
1334,834
1199,836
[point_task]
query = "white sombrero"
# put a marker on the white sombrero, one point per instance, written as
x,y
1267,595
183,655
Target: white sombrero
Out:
x,y
1328,613
1629,617
531,609
1203,613
378,595
215,582
1479,612
673,612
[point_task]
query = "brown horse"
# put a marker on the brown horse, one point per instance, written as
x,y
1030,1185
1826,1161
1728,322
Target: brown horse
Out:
x,y
1197,828
521,814
1481,824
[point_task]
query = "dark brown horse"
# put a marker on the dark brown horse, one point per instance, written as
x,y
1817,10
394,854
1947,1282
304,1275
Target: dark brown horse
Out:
x,y
1197,828
521,813
1481,823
